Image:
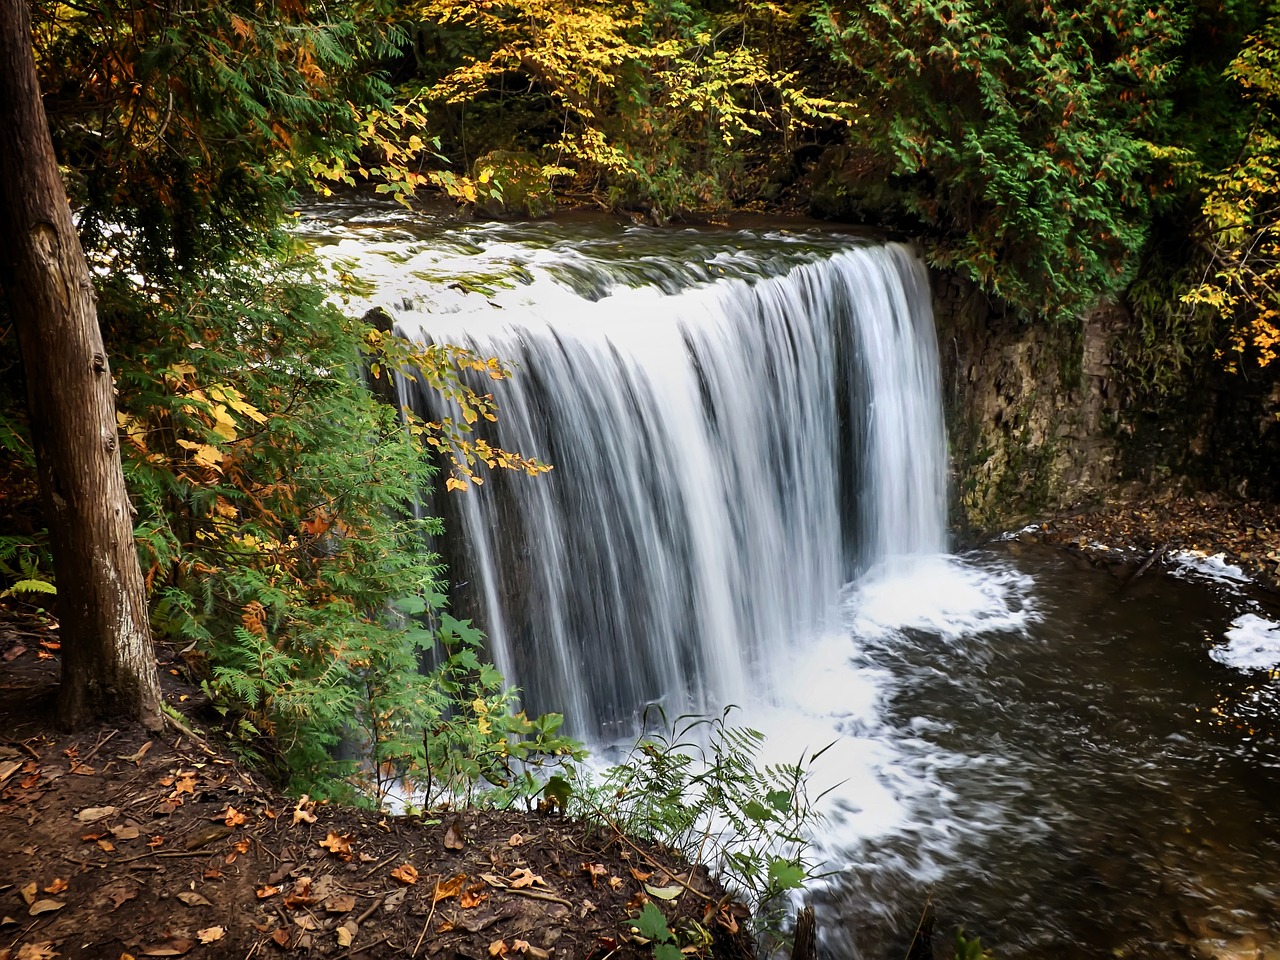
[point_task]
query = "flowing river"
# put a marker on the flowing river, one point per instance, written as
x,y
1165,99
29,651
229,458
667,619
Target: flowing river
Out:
x,y
748,506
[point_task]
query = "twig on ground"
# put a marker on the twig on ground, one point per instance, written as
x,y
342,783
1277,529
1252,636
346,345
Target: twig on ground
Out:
x,y
101,743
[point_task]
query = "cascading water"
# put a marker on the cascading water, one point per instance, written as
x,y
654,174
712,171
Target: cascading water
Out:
x,y
727,455
747,506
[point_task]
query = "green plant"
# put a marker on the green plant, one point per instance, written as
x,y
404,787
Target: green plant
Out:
x,y
1024,139
26,564
969,948
477,748
651,924
698,788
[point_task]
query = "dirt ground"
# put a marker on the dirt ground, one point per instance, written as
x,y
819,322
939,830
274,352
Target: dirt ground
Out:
x,y
1151,526
115,843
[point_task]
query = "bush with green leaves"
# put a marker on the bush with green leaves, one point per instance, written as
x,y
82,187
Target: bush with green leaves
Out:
x,y
276,526
698,788
1025,140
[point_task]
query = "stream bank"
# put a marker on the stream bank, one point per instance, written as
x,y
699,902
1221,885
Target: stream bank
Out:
x,y
118,843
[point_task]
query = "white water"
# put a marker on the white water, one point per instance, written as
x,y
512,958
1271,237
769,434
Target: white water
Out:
x,y
749,467
726,458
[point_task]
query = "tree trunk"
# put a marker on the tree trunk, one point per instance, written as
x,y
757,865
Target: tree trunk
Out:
x,y
108,667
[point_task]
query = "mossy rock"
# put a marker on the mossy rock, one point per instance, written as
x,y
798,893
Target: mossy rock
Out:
x,y
512,184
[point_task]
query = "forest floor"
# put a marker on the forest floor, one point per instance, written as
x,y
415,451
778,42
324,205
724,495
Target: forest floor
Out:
x,y
117,843
1166,528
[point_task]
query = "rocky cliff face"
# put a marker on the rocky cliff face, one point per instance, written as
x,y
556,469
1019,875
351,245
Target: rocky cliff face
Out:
x,y
1032,410
1042,418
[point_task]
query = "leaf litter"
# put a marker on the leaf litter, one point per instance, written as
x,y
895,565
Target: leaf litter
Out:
x,y
166,850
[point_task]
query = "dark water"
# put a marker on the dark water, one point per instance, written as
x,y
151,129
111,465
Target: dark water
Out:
x,y
1099,785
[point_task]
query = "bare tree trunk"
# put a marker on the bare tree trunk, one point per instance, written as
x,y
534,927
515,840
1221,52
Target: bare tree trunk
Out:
x,y
108,667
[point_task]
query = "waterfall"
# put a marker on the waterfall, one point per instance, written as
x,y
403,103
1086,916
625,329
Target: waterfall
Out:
x,y
733,441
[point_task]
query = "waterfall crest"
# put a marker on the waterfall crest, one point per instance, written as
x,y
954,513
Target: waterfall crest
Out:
x,y
728,454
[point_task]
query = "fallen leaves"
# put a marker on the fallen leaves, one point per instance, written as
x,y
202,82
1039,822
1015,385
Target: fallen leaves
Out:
x,y
267,891
94,814
56,886
172,947
343,903
302,811
45,906
472,897
453,836
406,873
233,817
339,846
193,899
499,948
449,888
301,895
186,783
37,951
524,877
211,934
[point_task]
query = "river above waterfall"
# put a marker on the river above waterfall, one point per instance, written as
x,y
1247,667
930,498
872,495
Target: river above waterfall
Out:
x,y
746,435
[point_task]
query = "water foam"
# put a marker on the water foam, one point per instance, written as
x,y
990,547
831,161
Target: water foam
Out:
x,y
1253,643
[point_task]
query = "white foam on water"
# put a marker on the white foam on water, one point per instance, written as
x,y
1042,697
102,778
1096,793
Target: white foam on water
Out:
x,y
941,594
1213,567
1253,643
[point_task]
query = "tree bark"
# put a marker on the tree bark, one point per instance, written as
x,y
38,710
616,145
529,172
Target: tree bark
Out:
x,y
108,666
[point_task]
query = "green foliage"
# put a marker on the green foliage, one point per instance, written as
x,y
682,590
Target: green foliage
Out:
x,y
969,948
1022,137
651,924
478,748
1168,338
26,564
697,788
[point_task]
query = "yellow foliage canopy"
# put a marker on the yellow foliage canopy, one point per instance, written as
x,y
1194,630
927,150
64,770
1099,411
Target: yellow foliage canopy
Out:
x,y
1241,210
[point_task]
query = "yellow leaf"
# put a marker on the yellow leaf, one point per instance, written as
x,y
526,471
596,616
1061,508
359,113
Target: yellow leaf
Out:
x,y
236,401
208,455
225,425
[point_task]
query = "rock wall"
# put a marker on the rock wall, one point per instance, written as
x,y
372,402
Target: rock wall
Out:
x,y
1042,418
1032,410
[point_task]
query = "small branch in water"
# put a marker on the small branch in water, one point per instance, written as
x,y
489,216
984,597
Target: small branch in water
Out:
x,y
924,912
1156,554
